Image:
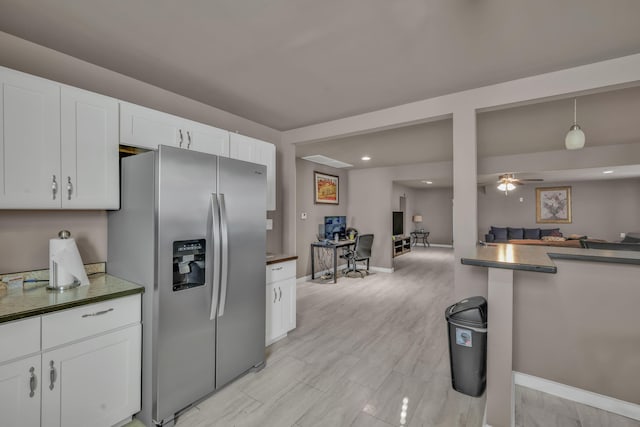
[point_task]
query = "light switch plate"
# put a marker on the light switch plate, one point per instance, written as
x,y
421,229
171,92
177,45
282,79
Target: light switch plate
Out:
x,y
269,224
303,215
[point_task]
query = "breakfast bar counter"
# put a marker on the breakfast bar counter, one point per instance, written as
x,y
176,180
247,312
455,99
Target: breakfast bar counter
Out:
x,y
561,319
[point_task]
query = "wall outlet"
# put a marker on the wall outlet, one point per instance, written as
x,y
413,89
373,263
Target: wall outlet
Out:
x,y
623,235
303,215
521,199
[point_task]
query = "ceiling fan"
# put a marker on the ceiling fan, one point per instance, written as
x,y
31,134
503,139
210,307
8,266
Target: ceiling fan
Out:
x,y
507,182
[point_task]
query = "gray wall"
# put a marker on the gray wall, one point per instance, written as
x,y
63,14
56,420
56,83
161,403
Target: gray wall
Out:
x,y
31,58
580,327
306,230
24,237
600,209
436,207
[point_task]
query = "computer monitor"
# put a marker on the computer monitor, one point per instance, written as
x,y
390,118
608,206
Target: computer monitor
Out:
x,y
333,225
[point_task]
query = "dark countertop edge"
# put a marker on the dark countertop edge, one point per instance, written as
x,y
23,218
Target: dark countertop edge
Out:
x,y
282,259
594,258
510,266
65,305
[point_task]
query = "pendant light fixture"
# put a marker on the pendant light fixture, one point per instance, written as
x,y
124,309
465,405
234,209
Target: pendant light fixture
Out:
x,y
575,137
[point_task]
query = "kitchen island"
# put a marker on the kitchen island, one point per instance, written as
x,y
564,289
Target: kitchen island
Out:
x,y
563,320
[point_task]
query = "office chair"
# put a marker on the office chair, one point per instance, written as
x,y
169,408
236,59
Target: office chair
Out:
x,y
361,252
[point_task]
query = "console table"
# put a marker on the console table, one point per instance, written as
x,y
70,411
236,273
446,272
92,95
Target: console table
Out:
x,y
420,235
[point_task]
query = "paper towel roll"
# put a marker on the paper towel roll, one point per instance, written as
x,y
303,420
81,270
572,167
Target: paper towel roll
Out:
x,y
64,253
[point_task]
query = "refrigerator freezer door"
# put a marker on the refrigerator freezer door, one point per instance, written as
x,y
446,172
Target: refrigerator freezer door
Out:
x,y
185,342
241,325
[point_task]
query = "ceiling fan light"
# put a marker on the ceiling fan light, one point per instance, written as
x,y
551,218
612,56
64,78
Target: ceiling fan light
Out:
x,y
503,186
575,138
510,187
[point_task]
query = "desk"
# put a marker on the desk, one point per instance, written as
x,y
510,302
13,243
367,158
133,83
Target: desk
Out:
x,y
420,235
330,245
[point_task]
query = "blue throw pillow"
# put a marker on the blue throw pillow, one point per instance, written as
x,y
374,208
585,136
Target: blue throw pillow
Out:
x,y
515,233
532,233
500,233
548,231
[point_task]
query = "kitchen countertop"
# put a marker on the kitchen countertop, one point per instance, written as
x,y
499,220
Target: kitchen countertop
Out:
x,y
276,258
36,299
540,258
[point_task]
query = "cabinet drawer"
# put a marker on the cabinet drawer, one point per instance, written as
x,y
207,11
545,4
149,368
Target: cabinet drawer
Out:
x,y
77,323
19,338
280,271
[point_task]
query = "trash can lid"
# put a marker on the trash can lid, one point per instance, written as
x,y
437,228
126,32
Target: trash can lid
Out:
x,y
472,311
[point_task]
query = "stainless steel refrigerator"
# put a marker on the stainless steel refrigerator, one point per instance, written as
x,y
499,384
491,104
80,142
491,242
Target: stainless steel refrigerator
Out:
x,y
191,229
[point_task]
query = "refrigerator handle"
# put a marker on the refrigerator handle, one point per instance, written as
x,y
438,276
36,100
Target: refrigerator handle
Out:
x,y
215,250
224,242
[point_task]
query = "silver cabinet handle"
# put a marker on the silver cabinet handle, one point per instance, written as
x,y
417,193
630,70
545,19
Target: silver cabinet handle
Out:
x,y
33,382
98,313
275,295
52,375
54,187
69,187
181,138
188,139
276,269
280,289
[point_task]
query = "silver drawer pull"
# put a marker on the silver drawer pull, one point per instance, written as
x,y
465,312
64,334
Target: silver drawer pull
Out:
x,y
97,313
280,289
277,268
33,382
52,375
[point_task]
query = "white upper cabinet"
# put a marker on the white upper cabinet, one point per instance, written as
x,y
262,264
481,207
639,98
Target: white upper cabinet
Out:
x,y
30,142
147,128
59,146
253,150
90,173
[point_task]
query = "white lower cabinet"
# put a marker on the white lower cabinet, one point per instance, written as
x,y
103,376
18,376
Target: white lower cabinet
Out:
x,y
95,382
87,372
20,393
280,300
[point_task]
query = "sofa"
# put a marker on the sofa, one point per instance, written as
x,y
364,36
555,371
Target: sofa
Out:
x,y
532,236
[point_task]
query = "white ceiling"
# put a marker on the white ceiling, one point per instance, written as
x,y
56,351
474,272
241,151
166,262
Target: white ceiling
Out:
x,y
290,63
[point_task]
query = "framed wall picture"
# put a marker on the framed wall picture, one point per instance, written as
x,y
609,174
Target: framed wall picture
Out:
x,y
326,187
553,205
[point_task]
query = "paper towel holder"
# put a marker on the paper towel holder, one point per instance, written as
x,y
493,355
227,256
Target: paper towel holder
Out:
x,y
53,274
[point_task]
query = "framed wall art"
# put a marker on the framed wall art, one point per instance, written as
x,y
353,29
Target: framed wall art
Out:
x,y
553,205
326,188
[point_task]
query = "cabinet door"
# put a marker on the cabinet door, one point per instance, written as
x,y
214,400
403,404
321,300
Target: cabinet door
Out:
x,y
147,128
253,150
20,384
29,142
274,327
89,131
207,139
288,304
95,382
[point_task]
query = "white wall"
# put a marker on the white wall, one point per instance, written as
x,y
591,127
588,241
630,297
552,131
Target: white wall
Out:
x,y
436,207
600,209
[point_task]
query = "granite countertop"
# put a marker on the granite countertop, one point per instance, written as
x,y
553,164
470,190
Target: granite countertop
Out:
x,y
276,258
35,300
540,258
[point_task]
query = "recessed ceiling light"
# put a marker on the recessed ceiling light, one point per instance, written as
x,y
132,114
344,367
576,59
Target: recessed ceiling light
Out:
x,y
365,158
607,172
428,182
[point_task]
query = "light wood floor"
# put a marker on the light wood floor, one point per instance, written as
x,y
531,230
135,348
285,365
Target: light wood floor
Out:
x,y
365,352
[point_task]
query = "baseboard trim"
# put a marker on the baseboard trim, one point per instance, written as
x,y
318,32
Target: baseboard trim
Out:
x,y
606,403
381,269
441,245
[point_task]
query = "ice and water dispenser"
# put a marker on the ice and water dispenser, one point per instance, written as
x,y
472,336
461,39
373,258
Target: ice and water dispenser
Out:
x,y
188,264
